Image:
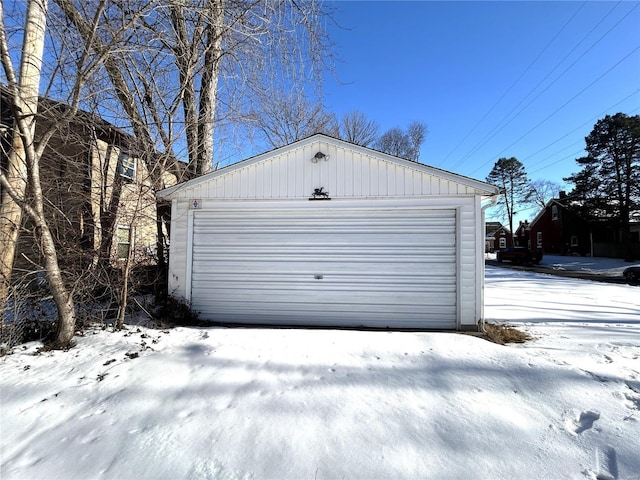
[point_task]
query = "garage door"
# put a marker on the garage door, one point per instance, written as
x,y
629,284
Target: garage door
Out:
x,y
382,268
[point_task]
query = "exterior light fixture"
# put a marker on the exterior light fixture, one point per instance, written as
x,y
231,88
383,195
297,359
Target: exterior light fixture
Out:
x,y
319,156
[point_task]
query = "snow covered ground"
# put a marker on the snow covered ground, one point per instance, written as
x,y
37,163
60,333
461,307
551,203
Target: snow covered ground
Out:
x,y
203,403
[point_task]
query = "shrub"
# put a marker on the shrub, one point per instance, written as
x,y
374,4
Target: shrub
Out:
x,y
505,334
177,311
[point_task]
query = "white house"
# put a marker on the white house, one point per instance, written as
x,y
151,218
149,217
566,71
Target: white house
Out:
x,y
325,232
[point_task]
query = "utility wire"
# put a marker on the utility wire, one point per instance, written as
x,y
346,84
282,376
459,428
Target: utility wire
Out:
x,y
565,104
504,122
588,122
572,155
570,66
513,84
579,152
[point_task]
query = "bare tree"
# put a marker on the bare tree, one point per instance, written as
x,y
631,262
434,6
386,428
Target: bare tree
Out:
x,y
417,132
403,144
191,65
186,66
167,71
356,128
287,117
541,191
24,167
394,142
70,67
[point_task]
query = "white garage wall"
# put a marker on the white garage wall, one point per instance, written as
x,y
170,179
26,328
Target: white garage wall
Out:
x,y
355,177
347,173
468,238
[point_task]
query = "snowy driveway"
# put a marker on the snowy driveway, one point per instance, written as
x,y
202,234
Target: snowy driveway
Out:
x,y
319,404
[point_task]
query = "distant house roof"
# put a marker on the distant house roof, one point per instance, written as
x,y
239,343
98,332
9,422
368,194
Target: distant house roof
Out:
x,y
562,202
492,228
85,121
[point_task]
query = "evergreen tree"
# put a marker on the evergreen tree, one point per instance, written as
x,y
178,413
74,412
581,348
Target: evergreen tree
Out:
x,y
509,174
608,186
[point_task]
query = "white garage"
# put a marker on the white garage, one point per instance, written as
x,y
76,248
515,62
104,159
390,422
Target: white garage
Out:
x,y
324,232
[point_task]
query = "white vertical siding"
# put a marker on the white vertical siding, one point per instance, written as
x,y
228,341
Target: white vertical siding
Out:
x,y
346,174
357,179
467,262
178,249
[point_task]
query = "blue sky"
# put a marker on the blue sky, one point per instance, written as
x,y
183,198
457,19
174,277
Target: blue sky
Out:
x,y
490,79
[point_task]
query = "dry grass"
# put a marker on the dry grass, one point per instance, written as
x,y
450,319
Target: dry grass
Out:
x,y
503,334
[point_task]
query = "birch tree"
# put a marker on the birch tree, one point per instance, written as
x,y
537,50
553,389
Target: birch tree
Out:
x,y
23,168
66,76
23,91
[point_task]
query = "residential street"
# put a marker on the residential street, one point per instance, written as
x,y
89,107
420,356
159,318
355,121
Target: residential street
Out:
x,y
596,269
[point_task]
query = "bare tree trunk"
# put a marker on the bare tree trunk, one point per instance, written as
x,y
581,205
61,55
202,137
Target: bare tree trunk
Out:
x,y
11,215
27,159
209,87
63,299
25,93
66,325
186,58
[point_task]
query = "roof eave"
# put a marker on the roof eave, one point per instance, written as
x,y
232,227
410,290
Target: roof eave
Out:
x,y
484,189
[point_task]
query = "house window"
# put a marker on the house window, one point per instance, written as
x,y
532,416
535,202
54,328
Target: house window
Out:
x,y
554,212
574,240
503,242
124,242
127,166
539,239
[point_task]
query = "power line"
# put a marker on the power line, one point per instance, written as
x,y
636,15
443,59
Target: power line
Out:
x,y
564,104
513,84
505,120
572,155
590,121
503,123
575,61
572,98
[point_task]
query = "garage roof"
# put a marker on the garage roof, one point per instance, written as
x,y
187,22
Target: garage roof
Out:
x,y
327,143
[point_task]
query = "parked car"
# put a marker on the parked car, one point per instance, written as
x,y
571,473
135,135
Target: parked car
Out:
x,y
519,255
632,274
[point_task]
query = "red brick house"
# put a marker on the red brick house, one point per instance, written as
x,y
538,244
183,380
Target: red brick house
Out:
x,y
558,229
497,237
